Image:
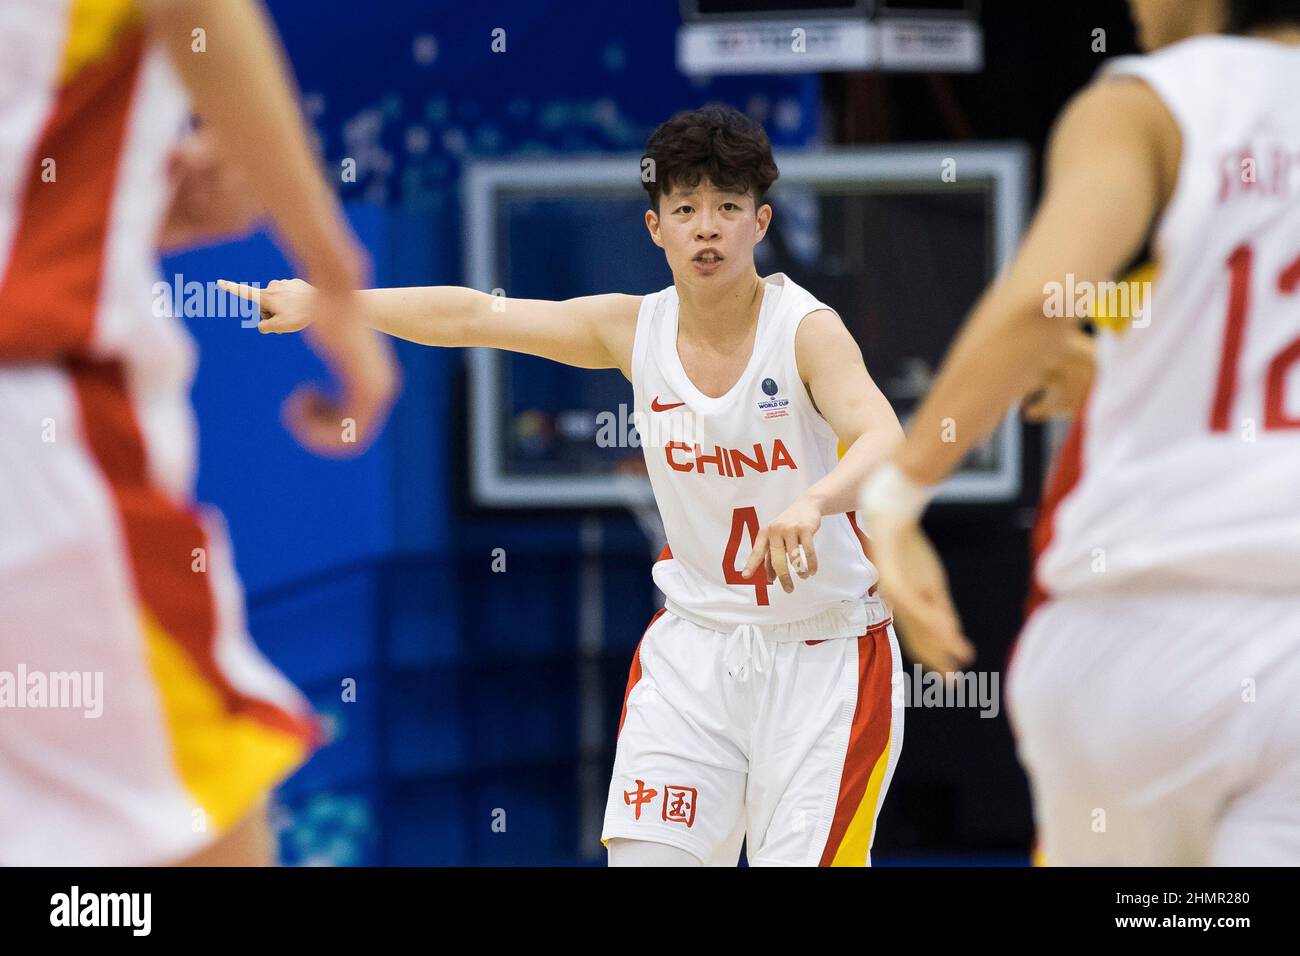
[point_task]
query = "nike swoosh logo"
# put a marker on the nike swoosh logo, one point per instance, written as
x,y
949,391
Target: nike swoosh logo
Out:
x,y
656,407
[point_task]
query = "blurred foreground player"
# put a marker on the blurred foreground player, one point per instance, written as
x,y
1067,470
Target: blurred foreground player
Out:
x,y
754,712
1153,688
138,724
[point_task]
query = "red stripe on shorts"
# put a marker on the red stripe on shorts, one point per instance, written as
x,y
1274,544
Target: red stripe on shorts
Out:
x,y
869,734
634,673
1065,478
161,539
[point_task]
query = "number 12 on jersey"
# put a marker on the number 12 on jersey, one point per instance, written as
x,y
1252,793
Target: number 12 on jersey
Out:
x,y
1241,269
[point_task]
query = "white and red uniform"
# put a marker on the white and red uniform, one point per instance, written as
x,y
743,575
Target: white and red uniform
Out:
x,y
750,713
1152,689
107,569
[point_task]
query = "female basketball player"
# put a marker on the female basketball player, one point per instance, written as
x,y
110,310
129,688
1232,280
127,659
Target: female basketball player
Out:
x,y
759,702
1153,686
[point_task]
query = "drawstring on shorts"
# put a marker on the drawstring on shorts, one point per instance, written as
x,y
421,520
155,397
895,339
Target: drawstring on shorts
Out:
x,y
746,652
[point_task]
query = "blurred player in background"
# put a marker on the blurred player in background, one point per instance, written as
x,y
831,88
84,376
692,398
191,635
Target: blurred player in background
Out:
x,y
1153,688
754,711
109,574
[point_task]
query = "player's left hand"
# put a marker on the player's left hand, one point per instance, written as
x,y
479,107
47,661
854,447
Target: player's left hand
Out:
x,y
211,198
914,586
1064,386
781,545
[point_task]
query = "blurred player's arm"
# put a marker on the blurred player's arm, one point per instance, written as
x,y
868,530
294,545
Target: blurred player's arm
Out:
x,y
593,331
1112,165
830,365
241,86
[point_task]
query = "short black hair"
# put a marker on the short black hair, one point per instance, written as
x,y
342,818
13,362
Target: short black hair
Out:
x,y
1247,15
715,142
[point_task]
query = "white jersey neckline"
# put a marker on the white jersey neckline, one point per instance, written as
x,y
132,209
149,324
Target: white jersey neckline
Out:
x,y
773,285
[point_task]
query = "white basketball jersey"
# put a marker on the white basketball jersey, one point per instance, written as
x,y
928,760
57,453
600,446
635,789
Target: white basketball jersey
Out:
x,y
1188,460
723,468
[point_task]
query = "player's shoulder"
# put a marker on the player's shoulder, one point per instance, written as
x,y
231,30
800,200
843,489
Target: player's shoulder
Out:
x,y
822,341
817,326
1112,101
1115,115
819,323
1154,88
796,303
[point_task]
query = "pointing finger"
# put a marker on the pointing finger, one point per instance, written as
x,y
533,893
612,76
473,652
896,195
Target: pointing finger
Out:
x,y
251,293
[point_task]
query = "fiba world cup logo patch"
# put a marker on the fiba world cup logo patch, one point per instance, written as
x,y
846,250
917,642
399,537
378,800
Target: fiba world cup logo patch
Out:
x,y
771,406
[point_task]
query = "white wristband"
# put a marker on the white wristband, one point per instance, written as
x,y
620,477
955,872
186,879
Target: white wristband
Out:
x,y
889,491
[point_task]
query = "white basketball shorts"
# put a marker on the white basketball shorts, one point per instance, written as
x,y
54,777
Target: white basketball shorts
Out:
x,y
1162,730
138,722
729,736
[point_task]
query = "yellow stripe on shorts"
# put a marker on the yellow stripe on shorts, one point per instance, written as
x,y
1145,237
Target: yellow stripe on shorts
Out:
x,y
853,849
227,762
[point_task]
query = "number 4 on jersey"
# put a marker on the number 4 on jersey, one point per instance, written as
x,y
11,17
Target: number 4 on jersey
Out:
x,y
744,519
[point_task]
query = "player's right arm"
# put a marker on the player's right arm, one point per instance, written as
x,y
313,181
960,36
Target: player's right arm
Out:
x,y
1112,166
593,331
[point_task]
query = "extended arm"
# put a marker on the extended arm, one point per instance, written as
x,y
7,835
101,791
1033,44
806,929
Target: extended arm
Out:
x,y
1107,179
830,363
586,332
593,331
